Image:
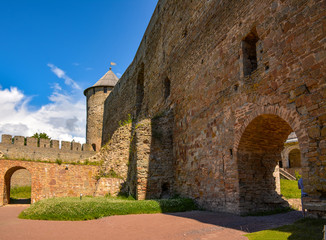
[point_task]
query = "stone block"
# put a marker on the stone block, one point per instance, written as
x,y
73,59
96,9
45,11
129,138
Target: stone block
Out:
x,y
55,144
44,143
76,146
6,139
65,145
87,147
314,132
31,142
19,140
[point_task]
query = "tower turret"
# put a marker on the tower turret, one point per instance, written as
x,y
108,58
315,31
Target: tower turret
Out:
x,y
96,96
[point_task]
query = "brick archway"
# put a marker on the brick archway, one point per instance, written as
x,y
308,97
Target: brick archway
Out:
x,y
7,182
259,151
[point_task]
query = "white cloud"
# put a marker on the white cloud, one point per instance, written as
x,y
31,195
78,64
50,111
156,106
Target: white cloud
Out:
x,y
119,75
88,69
61,74
63,118
75,64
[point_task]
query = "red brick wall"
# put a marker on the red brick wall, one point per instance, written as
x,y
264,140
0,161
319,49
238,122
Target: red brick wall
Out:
x,y
50,180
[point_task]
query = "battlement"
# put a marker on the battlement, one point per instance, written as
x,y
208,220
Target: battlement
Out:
x,y
45,143
19,147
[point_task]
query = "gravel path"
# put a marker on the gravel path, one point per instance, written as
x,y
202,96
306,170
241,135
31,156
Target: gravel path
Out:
x,y
196,225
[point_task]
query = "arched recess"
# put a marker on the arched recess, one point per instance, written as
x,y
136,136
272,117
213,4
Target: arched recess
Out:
x,y
258,152
7,185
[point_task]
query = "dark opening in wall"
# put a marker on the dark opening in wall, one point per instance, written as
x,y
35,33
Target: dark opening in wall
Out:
x,y
140,89
94,146
167,84
249,51
105,89
165,190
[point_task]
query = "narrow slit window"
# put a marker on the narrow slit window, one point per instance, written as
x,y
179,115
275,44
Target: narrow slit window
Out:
x,y
249,50
167,85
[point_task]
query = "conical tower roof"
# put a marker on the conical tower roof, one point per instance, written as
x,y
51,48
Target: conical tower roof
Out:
x,y
108,80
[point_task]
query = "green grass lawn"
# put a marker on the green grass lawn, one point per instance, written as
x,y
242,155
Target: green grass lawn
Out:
x,y
289,189
304,229
23,192
72,208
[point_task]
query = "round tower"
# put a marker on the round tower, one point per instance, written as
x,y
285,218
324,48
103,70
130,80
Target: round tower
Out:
x,y
96,96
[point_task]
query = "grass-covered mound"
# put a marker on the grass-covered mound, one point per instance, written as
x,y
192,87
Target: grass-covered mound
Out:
x,y
23,192
303,229
74,209
289,189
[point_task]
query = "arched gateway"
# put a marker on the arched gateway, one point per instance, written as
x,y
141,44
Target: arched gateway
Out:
x,y
258,154
7,182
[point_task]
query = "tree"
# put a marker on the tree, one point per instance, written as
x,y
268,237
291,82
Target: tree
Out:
x,y
41,135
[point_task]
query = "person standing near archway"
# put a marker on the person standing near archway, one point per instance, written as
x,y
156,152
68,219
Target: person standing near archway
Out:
x,y
303,194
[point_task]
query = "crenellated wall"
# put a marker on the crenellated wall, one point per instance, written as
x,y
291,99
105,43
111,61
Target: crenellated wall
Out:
x,y
19,147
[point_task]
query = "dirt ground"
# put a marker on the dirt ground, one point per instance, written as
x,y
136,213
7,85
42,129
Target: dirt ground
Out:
x,y
195,225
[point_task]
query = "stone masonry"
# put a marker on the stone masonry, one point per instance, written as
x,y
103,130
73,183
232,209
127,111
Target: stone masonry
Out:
x,y
233,79
48,150
49,179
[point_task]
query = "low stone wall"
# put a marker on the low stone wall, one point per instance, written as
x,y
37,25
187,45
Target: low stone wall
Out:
x,y
12,151
50,179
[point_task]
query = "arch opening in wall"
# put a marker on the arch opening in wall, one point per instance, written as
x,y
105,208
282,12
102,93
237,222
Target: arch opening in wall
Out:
x,y
18,186
94,146
249,52
258,154
165,190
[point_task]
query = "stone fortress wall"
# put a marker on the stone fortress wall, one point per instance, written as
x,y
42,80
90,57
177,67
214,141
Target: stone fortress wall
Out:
x,y
217,86
48,150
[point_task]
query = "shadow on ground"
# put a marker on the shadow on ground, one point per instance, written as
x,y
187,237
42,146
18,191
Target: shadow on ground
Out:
x,y
20,201
247,224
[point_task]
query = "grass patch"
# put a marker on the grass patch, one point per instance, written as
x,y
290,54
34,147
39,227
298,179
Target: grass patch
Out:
x,y
74,209
302,229
289,189
23,192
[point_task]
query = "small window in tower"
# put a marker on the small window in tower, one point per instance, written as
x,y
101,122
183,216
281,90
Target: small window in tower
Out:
x,y
105,89
167,84
249,51
93,90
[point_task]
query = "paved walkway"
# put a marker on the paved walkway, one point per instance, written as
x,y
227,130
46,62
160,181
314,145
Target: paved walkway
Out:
x,y
196,225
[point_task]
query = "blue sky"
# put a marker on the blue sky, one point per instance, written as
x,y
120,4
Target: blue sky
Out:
x,y
51,50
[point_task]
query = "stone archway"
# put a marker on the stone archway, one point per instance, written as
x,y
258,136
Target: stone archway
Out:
x,y
7,183
258,152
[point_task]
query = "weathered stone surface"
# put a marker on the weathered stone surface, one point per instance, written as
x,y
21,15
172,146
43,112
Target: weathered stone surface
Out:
x,y
95,107
49,179
229,124
47,150
109,186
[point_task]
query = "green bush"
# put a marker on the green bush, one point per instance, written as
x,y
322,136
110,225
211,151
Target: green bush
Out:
x,y
72,208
